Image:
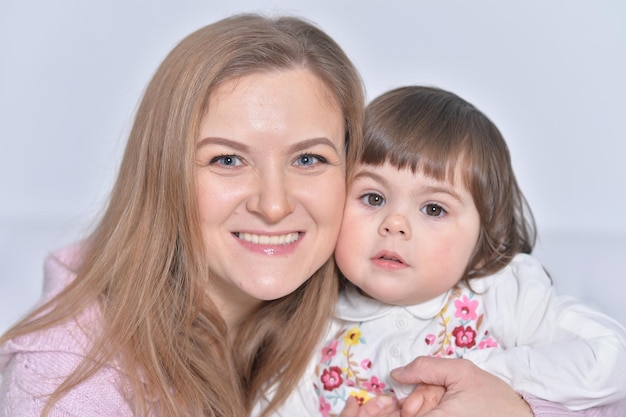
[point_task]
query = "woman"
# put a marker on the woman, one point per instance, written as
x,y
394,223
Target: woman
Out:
x,y
172,306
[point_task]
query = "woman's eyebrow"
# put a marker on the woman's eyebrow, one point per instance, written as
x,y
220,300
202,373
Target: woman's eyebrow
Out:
x,y
300,146
221,141
309,143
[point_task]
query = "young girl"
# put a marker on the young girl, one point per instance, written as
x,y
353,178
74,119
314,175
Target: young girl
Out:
x,y
435,243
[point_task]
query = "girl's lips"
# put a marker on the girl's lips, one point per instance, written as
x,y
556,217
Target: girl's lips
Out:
x,y
389,260
389,256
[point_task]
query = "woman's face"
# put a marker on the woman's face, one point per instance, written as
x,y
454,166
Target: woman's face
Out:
x,y
270,185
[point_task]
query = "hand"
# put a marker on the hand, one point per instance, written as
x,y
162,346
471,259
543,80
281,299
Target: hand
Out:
x,y
424,398
381,406
470,391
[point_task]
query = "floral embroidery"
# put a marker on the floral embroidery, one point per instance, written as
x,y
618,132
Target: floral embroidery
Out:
x,y
464,337
467,321
329,350
361,397
374,385
466,308
487,343
331,378
324,407
352,337
342,376
345,369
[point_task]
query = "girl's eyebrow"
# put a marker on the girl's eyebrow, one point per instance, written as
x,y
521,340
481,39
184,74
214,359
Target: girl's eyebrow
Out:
x,y
443,189
371,174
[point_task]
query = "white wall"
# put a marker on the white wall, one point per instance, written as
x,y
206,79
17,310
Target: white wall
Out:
x,y
549,73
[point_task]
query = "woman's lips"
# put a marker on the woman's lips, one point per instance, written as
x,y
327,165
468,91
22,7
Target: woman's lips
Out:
x,y
274,244
260,239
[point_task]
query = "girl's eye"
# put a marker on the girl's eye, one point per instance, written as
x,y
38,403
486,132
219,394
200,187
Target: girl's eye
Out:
x,y
373,199
306,160
433,210
227,160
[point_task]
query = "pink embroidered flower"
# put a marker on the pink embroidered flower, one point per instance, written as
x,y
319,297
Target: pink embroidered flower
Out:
x,y
329,351
487,343
331,378
352,337
465,337
466,308
324,407
374,385
366,364
430,339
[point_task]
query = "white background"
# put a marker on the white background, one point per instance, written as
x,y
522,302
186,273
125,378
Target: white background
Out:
x,y
550,74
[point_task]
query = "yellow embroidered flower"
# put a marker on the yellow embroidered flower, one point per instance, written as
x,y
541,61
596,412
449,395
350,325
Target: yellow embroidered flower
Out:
x,y
352,337
362,396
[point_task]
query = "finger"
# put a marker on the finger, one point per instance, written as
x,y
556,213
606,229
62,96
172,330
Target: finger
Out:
x,y
432,396
437,413
412,404
430,370
351,409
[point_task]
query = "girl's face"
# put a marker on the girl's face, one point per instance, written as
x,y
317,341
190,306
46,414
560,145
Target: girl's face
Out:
x,y
270,185
405,237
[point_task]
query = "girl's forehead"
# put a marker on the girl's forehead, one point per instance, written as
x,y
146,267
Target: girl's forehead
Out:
x,y
447,170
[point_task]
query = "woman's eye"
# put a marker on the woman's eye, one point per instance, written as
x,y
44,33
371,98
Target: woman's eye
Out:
x,y
433,210
306,160
227,160
373,199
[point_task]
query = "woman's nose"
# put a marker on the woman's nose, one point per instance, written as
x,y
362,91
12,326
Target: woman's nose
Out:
x,y
272,199
395,224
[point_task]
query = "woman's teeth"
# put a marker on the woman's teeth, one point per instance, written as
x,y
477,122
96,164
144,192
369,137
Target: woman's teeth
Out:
x,y
269,239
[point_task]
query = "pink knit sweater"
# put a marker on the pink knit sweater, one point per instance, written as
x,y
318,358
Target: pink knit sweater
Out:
x,y
32,366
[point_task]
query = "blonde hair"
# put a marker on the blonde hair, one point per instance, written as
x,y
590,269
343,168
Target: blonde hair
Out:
x,y
435,132
144,262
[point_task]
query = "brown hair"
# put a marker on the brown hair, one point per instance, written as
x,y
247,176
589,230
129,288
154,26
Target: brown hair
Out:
x,y
145,262
435,131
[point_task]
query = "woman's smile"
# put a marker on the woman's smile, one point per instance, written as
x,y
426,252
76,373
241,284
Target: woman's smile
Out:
x,y
261,239
274,245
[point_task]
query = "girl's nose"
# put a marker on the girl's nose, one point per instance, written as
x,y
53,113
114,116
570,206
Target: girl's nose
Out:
x,y
395,224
